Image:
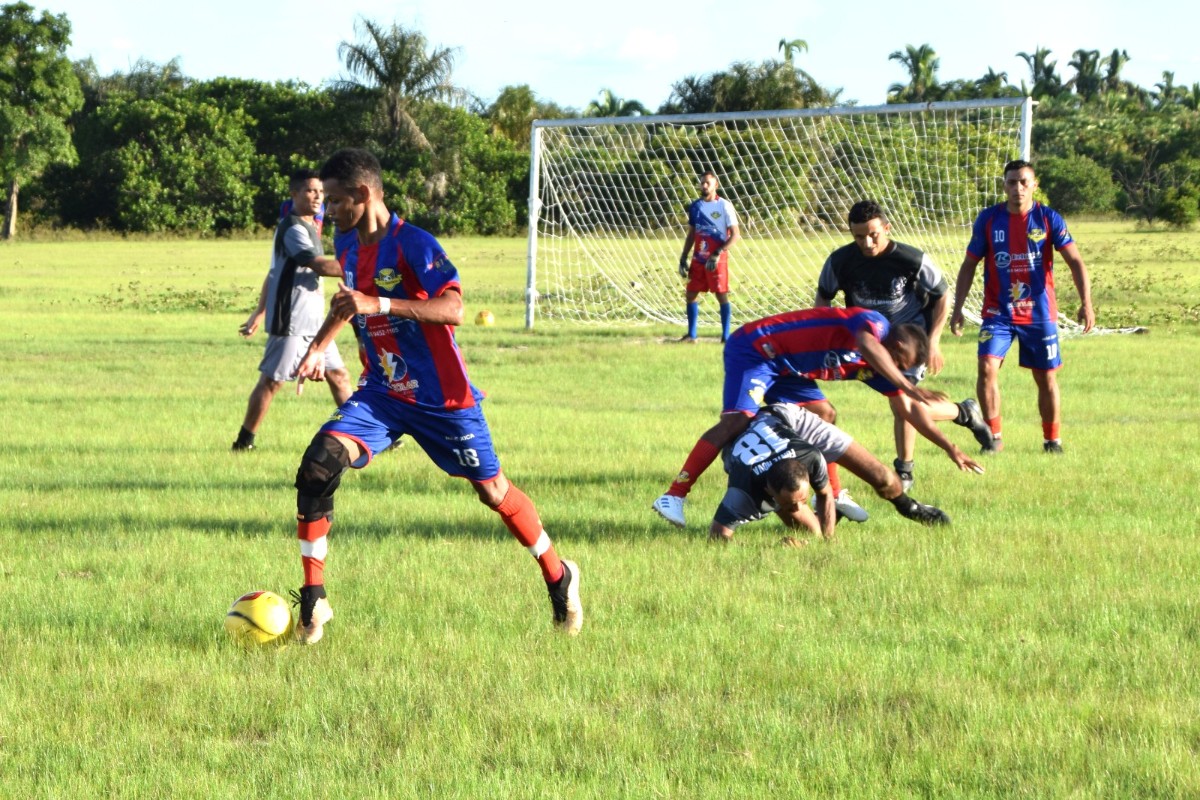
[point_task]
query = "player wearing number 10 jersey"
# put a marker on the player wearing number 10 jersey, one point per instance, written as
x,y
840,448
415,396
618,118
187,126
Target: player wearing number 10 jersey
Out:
x,y
402,295
1017,241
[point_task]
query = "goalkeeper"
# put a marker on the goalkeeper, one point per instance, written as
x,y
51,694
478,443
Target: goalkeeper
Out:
x,y
712,230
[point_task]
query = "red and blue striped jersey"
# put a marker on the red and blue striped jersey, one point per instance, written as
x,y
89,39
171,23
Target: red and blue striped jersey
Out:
x,y
1018,255
417,363
818,343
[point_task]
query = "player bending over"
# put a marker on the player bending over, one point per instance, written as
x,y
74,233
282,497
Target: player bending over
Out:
x,y
782,458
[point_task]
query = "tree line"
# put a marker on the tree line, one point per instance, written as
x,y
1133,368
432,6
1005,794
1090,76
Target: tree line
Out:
x,y
152,150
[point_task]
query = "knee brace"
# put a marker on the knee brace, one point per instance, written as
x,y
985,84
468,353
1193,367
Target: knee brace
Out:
x,y
318,477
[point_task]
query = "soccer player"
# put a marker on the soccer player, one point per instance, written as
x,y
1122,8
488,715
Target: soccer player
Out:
x,y
292,302
1016,240
902,283
402,295
781,460
712,230
779,359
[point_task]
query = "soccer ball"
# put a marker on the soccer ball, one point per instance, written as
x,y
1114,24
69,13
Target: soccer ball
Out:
x,y
259,618
485,318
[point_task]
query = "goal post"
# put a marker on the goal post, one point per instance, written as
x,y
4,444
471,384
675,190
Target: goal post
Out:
x,y
608,199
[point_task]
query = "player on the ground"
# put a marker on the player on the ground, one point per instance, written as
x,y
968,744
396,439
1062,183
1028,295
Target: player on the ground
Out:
x,y
779,359
403,296
902,283
712,230
1016,240
292,301
781,459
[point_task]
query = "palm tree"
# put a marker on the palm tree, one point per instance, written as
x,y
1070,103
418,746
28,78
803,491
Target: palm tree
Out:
x,y
922,64
1113,65
1046,82
788,47
608,104
1087,80
992,83
394,62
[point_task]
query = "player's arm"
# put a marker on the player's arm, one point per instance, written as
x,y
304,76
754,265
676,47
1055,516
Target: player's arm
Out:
x,y
445,309
326,265
962,287
255,319
827,285
880,360
1079,273
826,512
918,416
939,312
685,260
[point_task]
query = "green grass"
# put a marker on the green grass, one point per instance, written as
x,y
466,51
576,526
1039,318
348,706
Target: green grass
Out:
x,y
1045,645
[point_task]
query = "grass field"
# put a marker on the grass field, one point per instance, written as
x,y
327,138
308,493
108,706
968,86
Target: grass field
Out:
x,y
1044,645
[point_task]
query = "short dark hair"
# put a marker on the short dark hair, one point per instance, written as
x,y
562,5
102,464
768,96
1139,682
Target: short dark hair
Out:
x,y
787,475
353,167
865,211
300,177
914,337
710,172
1016,165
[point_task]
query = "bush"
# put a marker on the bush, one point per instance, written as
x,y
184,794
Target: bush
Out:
x,y
1076,183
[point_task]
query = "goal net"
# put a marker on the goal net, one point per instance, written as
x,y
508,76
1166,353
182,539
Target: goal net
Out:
x,y
609,198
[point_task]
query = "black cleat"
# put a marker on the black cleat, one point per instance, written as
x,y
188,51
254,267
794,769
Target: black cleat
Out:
x,y
976,423
564,599
926,515
1052,447
242,446
314,613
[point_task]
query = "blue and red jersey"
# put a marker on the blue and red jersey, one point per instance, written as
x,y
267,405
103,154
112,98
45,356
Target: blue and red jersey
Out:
x,y
816,343
711,221
1018,255
416,363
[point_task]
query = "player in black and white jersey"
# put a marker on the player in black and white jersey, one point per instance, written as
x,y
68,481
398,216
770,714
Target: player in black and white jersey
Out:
x,y
782,459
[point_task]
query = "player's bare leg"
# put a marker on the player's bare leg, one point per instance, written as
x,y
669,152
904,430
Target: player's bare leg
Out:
x,y
521,518
842,499
340,386
256,410
862,464
987,387
669,506
1049,408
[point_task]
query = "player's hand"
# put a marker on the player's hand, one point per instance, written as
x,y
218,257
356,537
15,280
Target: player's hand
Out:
x,y
312,368
965,462
684,266
713,260
936,359
248,327
1086,317
956,323
347,302
923,396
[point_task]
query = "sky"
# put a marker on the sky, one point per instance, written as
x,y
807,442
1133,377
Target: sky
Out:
x,y
568,51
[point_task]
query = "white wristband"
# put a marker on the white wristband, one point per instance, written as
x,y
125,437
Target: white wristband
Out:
x,y
385,306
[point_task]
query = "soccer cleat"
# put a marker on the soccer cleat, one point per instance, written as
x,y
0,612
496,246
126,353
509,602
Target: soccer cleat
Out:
x,y
904,471
996,445
240,446
670,508
849,509
685,339
926,515
1052,447
976,423
564,599
314,613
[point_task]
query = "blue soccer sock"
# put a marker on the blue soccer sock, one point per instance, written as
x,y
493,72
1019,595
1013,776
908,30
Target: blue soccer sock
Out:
x,y
693,318
725,316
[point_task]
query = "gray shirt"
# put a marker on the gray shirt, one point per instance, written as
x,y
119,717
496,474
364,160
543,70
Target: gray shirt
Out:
x,y
295,299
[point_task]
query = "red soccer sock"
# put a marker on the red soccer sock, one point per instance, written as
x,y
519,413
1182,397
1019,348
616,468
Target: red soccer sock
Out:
x,y
994,424
313,548
835,481
521,519
702,455
1050,431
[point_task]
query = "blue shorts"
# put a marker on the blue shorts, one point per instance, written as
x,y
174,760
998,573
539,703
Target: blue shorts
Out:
x,y
750,382
1037,342
457,440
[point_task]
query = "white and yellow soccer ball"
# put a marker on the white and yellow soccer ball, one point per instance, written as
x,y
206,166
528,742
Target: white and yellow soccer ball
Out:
x,y
259,618
485,318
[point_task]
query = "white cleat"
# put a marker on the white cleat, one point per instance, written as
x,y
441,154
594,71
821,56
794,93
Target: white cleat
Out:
x,y
849,509
312,633
670,508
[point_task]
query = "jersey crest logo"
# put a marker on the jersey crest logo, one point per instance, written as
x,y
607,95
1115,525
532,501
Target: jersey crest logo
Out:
x,y
393,367
865,374
715,215
387,279
1003,260
1036,235
985,335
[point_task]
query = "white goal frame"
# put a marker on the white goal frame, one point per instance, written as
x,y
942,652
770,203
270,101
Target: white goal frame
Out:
x,y
634,268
